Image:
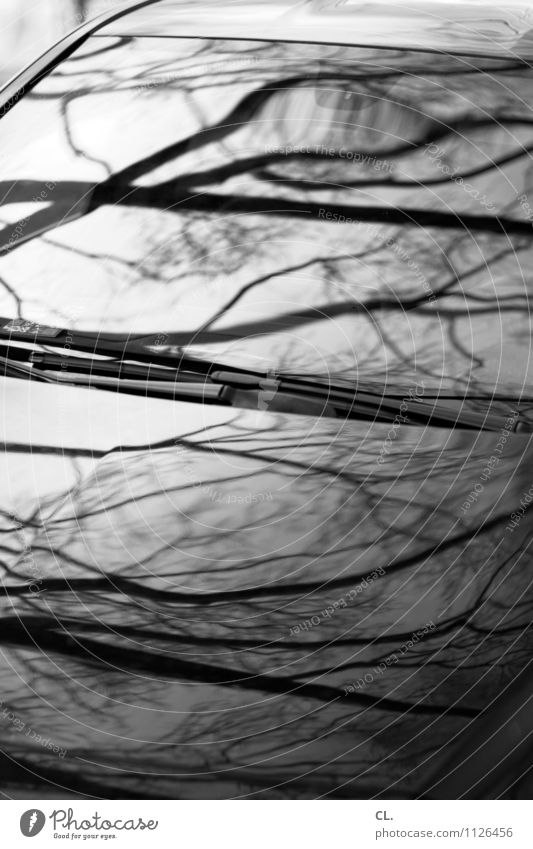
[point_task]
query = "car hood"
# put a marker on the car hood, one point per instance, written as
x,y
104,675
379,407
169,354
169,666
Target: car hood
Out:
x,y
252,603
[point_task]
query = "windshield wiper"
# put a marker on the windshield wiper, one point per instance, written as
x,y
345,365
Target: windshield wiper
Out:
x,y
206,381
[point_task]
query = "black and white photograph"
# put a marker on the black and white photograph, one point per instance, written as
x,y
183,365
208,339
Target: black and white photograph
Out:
x,y
266,421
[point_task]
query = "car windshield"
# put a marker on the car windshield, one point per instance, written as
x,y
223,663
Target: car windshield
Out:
x,y
298,207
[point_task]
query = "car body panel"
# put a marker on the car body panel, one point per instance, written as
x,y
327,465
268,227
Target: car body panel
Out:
x,y
219,585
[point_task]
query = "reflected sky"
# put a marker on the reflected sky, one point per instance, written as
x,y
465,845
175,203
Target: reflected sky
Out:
x,y
315,208
196,611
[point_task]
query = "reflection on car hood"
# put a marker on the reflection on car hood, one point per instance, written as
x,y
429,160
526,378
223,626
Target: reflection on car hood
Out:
x,y
227,579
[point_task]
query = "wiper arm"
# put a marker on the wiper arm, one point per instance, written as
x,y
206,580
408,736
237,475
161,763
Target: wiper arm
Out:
x,y
119,375
210,382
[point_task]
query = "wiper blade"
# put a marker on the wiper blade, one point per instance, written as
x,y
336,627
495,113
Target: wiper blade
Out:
x,y
119,375
184,389
125,369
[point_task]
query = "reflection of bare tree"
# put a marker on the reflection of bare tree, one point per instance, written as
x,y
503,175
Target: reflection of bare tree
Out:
x,y
220,182
166,637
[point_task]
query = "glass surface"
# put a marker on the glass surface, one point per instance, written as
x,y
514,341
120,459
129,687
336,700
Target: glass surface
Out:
x,y
299,207
212,602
